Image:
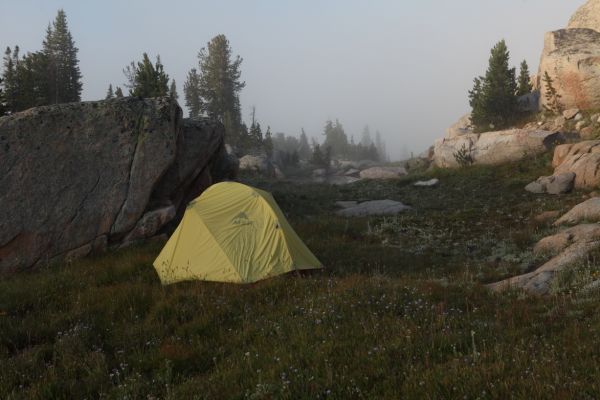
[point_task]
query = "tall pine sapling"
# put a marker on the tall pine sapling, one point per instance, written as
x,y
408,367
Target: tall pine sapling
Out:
x,y
173,90
268,142
109,93
524,84
191,91
145,79
2,99
63,73
552,104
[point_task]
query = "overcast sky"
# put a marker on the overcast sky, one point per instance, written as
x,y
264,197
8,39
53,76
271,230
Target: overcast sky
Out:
x,y
401,66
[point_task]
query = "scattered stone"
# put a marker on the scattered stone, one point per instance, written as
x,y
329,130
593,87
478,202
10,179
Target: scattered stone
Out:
x,y
535,187
430,183
581,158
559,122
254,163
587,133
565,151
580,125
585,167
383,173
375,207
588,211
571,113
353,172
560,184
578,117
555,184
573,245
556,243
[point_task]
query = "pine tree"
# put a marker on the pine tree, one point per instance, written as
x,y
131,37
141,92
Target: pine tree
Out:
x,y
524,83
303,147
109,93
372,152
173,90
10,80
317,158
2,99
493,97
118,92
191,90
366,136
145,79
327,157
551,94
219,85
336,138
268,142
255,133
32,81
63,74
380,145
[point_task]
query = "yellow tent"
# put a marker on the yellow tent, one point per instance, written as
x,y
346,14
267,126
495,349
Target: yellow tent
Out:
x,y
232,233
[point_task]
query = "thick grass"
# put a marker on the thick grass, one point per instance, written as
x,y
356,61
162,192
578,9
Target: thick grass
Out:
x,y
399,312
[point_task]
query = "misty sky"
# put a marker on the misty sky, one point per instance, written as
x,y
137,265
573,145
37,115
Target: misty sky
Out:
x,y
402,66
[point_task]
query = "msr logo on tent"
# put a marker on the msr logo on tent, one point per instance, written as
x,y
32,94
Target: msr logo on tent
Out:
x,y
241,219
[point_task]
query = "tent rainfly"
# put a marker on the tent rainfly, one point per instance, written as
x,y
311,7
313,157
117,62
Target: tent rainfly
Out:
x,y
233,233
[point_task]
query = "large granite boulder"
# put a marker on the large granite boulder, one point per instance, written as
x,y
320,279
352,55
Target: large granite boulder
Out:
x,y
581,158
77,177
572,59
570,247
255,163
555,184
588,211
493,148
587,16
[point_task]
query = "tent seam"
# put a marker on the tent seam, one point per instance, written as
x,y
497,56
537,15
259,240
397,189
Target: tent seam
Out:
x,y
231,266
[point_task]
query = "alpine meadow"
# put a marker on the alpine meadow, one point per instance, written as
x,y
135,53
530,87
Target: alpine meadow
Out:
x,y
269,200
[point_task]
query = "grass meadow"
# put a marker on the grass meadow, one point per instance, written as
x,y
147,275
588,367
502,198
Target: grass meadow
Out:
x,y
399,312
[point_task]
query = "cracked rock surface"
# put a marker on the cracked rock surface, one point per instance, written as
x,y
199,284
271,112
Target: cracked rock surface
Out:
x,y
74,175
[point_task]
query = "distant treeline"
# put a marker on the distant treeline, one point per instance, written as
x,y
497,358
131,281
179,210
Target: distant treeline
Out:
x,y
48,76
212,89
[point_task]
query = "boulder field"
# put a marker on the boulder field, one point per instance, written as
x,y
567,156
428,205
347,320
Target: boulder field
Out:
x,y
77,178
